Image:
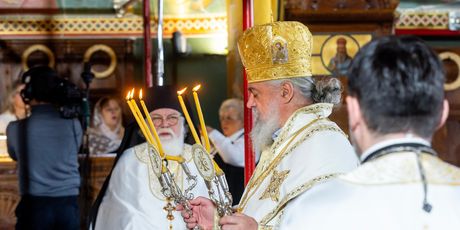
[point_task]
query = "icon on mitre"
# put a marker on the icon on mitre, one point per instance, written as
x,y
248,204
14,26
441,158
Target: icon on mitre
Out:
x,y
279,51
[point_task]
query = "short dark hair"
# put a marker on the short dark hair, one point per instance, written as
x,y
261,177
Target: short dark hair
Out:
x,y
398,82
40,81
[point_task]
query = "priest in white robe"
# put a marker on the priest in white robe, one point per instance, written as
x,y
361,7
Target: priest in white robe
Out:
x,y
300,145
395,104
133,197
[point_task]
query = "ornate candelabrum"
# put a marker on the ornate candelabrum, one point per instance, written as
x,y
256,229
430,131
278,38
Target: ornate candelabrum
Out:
x,y
170,189
214,179
159,160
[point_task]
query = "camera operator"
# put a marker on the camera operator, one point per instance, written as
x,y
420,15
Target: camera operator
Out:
x,y
45,145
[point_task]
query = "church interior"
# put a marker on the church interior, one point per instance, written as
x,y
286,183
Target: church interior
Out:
x,y
107,39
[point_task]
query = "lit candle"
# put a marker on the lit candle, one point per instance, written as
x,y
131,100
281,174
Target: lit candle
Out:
x,y
187,116
203,127
148,134
152,127
136,116
201,118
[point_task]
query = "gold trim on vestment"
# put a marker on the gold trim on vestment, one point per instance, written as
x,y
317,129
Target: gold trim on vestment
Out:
x,y
321,110
402,168
294,193
273,189
254,183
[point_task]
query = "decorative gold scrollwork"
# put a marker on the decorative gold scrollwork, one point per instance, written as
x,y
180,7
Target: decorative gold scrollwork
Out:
x,y
35,48
455,58
109,51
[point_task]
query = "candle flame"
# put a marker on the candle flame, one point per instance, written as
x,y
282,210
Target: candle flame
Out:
x,y
127,95
132,94
196,88
182,91
140,94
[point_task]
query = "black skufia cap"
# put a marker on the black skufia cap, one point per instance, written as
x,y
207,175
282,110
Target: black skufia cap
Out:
x,y
158,97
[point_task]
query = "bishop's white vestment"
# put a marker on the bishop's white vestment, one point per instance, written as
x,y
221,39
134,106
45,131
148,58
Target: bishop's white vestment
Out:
x,y
134,200
309,149
384,193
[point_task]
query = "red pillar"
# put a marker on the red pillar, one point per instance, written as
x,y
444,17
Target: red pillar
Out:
x,y
249,157
147,45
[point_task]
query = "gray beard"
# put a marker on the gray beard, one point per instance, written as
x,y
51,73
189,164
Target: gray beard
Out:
x,y
262,132
174,146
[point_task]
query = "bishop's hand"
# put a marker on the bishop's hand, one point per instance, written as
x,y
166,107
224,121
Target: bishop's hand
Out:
x,y
238,221
203,213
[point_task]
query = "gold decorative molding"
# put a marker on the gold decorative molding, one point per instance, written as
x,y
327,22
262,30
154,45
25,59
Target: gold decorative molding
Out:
x,y
34,48
109,51
423,20
106,26
455,58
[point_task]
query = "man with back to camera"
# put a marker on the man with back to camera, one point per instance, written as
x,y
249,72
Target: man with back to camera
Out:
x,y
395,104
300,145
46,145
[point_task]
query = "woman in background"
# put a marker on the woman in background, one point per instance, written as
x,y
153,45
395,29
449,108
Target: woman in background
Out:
x,y
13,107
107,130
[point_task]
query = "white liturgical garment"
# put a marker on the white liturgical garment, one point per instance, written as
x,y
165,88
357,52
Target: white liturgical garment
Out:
x,y
134,200
384,193
309,149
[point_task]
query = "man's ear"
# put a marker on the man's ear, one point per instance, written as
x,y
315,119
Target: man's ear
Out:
x,y
287,91
444,114
355,116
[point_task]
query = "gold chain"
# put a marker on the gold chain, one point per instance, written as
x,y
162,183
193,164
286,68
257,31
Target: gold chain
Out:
x,y
256,182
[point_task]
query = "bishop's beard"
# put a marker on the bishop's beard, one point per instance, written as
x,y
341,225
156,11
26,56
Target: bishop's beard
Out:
x,y
175,145
262,132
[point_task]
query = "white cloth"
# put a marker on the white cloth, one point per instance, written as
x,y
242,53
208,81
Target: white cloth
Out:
x,y
102,140
383,193
307,149
5,119
231,148
133,199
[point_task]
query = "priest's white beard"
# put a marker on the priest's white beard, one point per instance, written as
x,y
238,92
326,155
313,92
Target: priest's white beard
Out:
x,y
262,131
175,145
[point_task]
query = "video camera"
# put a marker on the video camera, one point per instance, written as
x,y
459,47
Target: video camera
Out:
x,y
43,84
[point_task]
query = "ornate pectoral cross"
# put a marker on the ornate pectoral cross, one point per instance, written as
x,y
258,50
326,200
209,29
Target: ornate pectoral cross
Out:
x,y
273,189
169,208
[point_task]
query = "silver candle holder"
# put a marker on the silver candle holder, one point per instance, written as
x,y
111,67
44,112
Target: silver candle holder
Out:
x,y
216,182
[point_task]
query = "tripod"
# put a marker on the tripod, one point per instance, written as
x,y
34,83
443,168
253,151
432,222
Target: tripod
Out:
x,y
87,77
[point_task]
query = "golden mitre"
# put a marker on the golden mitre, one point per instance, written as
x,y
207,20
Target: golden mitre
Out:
x,y
276,50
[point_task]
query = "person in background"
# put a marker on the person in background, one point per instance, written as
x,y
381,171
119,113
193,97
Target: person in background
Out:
x,y
106,132
13,107
45,145
395,104
229,146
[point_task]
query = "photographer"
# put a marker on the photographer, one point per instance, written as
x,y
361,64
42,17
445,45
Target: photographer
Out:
x,y
45,145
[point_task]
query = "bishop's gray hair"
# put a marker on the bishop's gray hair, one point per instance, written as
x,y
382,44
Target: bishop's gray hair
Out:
x,y
326,90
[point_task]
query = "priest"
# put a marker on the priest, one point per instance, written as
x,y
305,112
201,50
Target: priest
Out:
x,y
132,197
300,146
